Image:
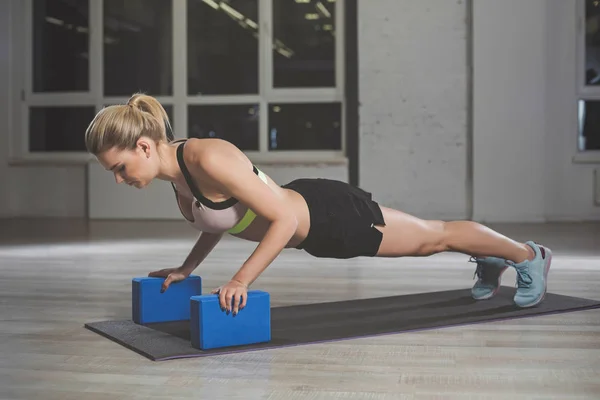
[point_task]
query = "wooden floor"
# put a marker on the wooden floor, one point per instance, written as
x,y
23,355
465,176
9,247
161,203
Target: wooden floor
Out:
x,y
55,275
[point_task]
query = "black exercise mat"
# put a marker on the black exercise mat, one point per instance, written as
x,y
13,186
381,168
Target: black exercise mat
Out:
x,y
315,323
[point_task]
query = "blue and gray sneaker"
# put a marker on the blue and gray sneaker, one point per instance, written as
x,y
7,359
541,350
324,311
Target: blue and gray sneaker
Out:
x,y
489,271
532,276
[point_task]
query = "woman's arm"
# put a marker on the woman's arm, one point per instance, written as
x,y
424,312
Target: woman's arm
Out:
x,y
277,236
204,245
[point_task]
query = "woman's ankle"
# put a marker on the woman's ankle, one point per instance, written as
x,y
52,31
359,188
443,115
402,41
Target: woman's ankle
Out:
x,y
526,254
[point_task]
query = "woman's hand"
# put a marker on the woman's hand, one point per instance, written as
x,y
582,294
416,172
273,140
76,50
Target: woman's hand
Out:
x,y
172,275
233,290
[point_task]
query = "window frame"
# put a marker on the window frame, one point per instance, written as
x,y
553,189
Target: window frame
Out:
x,y
23,96
583,92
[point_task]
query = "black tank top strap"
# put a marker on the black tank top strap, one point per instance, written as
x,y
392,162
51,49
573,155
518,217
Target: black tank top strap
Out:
x,y
195,191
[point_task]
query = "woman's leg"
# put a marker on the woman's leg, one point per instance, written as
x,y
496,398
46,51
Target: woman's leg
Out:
x,y
406,235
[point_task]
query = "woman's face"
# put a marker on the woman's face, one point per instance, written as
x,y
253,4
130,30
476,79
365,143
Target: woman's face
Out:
x,y
135,167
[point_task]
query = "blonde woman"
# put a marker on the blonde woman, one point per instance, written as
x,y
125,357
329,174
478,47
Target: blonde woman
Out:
x,y
219,191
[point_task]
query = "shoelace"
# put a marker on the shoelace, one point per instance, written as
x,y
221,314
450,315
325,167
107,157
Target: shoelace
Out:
x,y
524,280
479,271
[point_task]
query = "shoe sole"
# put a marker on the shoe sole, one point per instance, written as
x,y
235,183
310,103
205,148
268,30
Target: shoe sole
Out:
x,y
546,270
495,291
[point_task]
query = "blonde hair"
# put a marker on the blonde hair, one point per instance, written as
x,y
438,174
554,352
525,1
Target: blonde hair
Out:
x,y
121,126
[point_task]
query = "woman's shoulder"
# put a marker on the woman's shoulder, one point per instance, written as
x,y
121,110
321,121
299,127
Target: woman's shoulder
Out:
x,y
210,153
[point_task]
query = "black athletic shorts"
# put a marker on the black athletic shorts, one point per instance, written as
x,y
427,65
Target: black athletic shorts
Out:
x,y
342,219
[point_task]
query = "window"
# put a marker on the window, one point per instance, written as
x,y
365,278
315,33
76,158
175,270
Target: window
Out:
x,y
211,63
588,105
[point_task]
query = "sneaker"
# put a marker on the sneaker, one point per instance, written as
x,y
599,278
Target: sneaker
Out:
x,y
532,277
489,271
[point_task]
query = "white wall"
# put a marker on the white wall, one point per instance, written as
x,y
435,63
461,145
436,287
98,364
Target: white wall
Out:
x,y
414,113
509,82
525,109
48,191
30,190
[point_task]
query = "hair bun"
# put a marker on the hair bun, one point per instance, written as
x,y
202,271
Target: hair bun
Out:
x,y
134,101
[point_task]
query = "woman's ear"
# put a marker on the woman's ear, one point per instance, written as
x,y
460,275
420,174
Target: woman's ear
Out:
x,y
143,144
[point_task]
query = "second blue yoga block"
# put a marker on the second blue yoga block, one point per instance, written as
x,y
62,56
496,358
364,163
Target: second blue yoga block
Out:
x,y
150,305
212,328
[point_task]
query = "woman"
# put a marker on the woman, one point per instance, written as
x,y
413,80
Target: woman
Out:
x,y
219,191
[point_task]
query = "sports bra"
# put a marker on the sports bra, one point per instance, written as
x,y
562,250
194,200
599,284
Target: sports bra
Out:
x,y
214,217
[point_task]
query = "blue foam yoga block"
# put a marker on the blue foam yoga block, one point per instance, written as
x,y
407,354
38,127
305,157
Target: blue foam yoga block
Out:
x,y
212,328
150,305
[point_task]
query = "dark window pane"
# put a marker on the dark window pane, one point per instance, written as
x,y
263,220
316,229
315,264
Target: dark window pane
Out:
x,y
60,45
222,47
313,126
59,128
236,123
592,43
138,50
304,44
589,125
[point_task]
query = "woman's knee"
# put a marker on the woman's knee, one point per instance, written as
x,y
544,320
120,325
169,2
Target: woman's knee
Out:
x,y
435,240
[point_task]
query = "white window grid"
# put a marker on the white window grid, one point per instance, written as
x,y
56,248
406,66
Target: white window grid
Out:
x,y
584,92
24,97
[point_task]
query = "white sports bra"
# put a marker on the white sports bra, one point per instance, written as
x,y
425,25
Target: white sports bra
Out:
x,y
214,217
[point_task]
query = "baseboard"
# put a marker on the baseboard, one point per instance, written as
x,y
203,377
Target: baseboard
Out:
x,y
509,219
536,219
573,218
